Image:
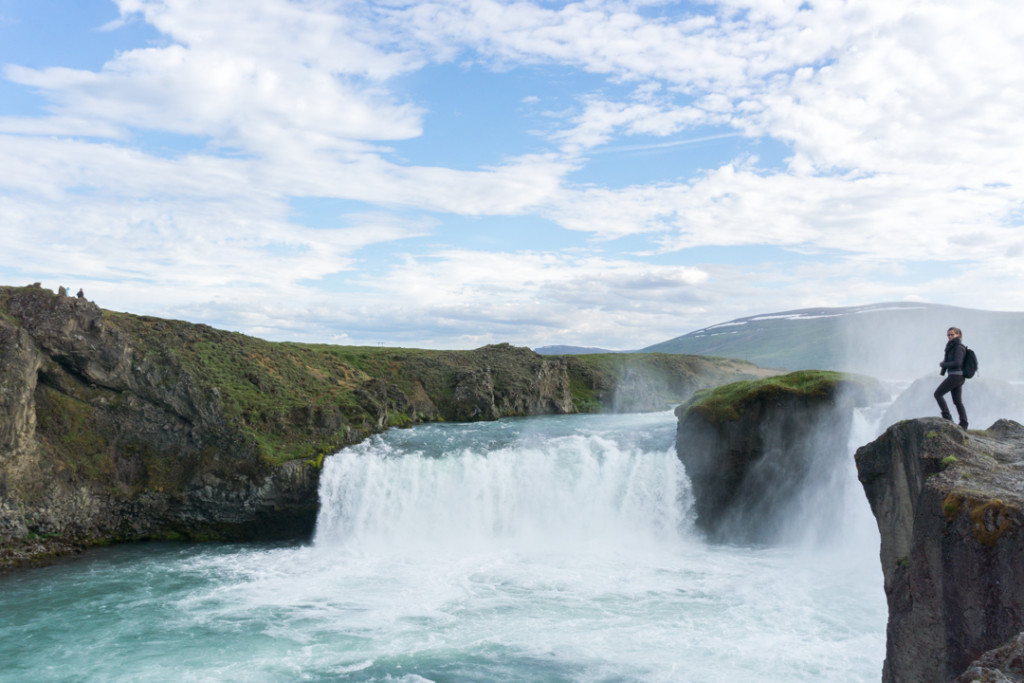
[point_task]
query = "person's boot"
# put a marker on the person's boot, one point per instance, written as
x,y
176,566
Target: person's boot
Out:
x,y
947,416
963,424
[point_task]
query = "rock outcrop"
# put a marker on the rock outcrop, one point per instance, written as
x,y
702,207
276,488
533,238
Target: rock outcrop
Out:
x,y
118,427
761,453
949,508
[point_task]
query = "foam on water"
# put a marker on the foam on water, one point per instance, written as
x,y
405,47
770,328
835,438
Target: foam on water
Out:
x,y
555,549
566,492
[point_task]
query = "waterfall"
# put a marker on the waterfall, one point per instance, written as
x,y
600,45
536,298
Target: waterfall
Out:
x,y
570,491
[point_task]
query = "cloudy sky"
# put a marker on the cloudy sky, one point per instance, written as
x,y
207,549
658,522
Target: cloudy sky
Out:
x,y
454,173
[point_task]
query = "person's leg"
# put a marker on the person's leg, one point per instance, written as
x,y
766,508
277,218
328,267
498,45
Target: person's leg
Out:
x,y
956,393
944,388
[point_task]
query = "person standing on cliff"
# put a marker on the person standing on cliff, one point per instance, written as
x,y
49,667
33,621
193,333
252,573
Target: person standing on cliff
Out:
x,y
952,364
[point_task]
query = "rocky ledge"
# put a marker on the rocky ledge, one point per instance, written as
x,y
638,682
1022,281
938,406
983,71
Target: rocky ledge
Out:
x,y
949,508
761,453
117,427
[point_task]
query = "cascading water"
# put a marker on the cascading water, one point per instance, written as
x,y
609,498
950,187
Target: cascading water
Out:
x,y
564,492
547,549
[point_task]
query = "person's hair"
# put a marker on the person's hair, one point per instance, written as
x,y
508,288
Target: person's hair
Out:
x,y
955,329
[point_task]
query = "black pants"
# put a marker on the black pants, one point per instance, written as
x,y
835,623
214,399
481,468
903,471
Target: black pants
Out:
x,y
952,385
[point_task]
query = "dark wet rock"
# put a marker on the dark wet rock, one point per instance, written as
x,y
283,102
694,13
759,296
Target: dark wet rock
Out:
x,y
949,508
758,454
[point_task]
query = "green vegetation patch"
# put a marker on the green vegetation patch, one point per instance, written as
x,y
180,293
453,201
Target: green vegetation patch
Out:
x,y
70,430
728,402
289,400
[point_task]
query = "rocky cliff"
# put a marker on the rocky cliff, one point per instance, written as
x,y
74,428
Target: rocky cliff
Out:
x,y
949,508
118,427
760,454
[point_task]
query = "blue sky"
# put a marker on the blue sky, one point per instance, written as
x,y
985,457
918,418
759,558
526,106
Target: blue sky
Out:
x,y
452,174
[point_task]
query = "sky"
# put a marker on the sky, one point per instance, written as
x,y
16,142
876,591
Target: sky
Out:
x,y
457,173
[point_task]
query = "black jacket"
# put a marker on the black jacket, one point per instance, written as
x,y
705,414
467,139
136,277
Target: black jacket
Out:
x,y
954,360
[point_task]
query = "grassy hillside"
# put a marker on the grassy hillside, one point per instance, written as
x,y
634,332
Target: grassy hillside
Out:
x,y
299,401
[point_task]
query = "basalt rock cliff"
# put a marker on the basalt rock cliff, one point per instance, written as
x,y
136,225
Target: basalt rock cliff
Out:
x,y
118,427
760,454
949,508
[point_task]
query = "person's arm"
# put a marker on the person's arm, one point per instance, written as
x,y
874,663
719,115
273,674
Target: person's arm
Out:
x,y
958,359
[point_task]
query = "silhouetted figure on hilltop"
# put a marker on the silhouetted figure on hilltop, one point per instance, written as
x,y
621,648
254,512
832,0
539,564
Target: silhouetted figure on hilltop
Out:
x,y
81,294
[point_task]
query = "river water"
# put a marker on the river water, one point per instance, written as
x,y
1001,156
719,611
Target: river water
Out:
x,y
540,549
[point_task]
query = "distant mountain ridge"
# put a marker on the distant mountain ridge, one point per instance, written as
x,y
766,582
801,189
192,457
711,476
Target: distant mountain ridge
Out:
x,y
890,340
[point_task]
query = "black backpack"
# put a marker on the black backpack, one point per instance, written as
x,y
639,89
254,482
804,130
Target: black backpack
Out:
x,y
970,366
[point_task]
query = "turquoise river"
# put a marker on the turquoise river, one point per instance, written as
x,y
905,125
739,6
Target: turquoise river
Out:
x,y
541,549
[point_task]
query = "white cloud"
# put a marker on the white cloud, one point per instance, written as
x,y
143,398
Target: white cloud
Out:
x,y
602,120
903,117
225,97
526,296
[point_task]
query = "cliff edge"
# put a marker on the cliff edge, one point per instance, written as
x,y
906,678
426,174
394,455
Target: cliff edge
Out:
x,y
949,508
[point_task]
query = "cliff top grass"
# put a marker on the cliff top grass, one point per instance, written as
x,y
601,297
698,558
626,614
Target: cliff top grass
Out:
x,y
728,402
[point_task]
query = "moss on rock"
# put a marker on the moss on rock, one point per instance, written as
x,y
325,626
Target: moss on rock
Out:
x,y
728,402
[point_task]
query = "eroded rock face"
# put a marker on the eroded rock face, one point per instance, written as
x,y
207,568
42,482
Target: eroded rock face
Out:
x,y
949,508
98,445
19,456
772,460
